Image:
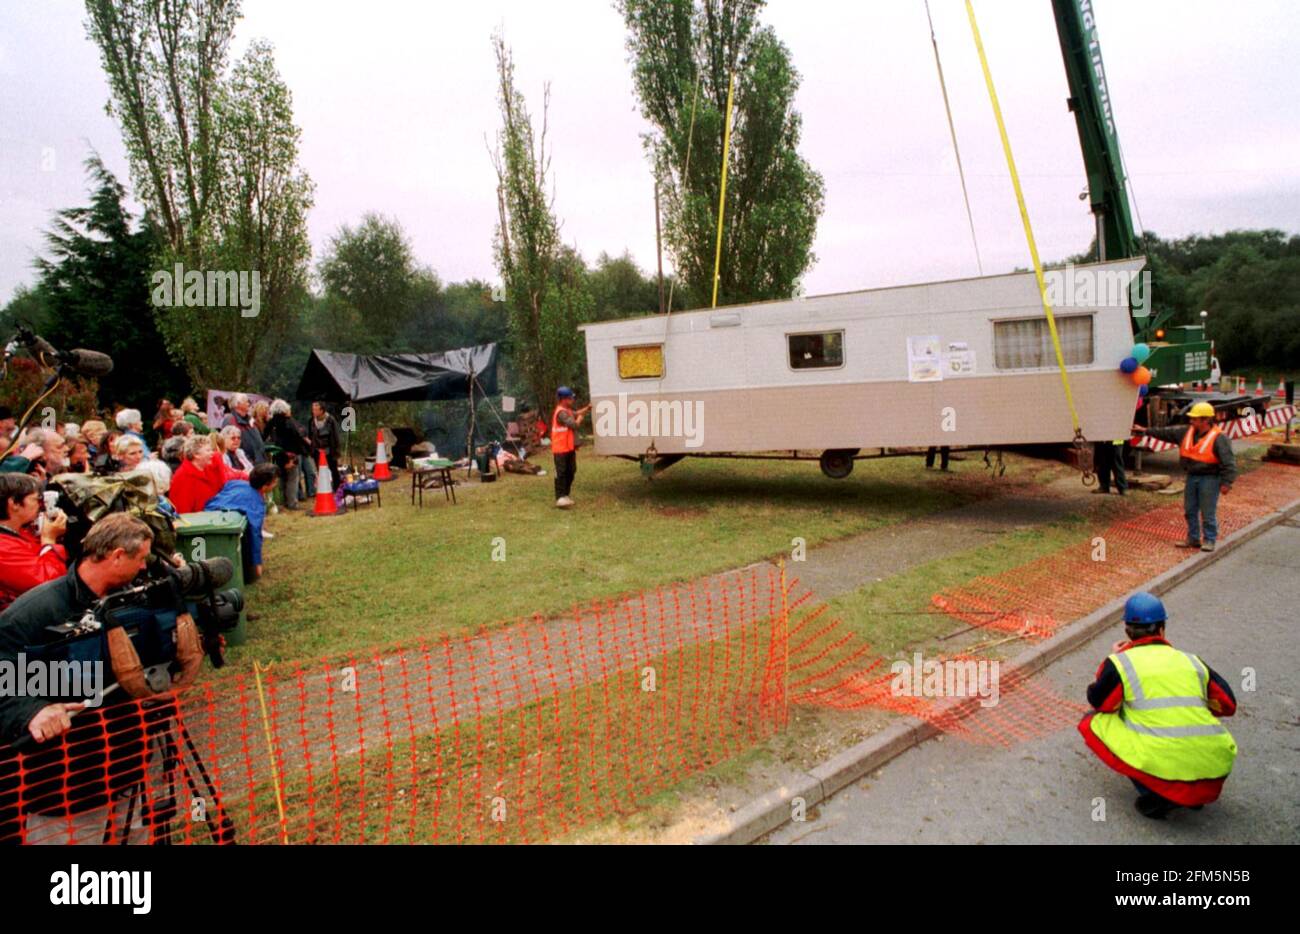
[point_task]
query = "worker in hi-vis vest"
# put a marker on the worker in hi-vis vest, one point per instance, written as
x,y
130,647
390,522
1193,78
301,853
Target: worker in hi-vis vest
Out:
x,y
1205,453
1155,718
564,444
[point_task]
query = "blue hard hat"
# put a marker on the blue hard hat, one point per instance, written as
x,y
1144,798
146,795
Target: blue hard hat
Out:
x,y
1144,609
564,392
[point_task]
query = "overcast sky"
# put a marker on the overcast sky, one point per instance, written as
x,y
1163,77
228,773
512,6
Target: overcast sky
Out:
x,y
394,100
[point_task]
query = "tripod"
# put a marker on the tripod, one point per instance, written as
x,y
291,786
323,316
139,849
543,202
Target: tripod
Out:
x,y
160,813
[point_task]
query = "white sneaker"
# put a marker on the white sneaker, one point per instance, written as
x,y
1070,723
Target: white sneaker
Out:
x,y
266,534
564,502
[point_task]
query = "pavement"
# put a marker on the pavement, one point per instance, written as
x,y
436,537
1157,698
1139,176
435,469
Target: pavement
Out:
x,y
1238,614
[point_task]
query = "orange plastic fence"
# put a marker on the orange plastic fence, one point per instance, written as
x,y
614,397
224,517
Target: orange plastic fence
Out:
x,y
537,729
523,734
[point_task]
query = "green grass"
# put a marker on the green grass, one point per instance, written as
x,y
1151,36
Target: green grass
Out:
x,y
379,576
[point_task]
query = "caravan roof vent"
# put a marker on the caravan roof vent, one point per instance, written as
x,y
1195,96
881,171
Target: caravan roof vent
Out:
x,y
730,319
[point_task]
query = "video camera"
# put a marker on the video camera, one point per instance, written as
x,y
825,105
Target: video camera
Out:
x,y
152,615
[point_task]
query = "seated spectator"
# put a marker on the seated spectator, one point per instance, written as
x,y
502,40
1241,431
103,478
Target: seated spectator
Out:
x,y
22,457
27,561
201,475
70,431
182,428
191,415
128,452
248,497
7,423
40,452
164,419
79,455
102,461
241,417
157,473
131,422
170,452
94,431
235,456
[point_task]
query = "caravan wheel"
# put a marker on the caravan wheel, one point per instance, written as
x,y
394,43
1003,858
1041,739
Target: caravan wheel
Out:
x,y
837,464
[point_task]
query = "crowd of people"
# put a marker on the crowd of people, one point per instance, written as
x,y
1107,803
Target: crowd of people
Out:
x,y
187,464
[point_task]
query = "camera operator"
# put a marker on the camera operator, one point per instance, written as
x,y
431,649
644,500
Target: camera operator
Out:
x,y
114,552
27,561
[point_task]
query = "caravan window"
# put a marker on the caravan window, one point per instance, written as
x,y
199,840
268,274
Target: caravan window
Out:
x,y
822,350
1027,344
644,362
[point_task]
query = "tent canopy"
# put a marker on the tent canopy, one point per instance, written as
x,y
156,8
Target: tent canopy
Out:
x,y
399,377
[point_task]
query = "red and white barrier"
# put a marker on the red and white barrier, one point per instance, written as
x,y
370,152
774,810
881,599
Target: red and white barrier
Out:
x,y
1236,428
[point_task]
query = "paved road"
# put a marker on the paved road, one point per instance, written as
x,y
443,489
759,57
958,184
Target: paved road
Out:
x,y
1239,613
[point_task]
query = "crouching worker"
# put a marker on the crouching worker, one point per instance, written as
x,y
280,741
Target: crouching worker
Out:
x,y
1156,716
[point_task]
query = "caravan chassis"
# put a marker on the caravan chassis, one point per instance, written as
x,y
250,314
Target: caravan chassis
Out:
x,y
836,465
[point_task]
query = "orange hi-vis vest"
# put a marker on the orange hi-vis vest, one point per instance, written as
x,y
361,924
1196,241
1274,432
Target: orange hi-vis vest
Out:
x,y
1202,450
562,441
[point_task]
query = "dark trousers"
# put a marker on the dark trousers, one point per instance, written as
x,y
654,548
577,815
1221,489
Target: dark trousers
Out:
x,y
1110,463
566,465
943,457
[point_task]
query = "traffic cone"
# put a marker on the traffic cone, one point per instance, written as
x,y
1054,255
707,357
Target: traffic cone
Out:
x,y
1281,389
1259,387
381,471
324,489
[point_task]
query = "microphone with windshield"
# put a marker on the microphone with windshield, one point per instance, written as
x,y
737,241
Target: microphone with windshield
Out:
x,y
82,362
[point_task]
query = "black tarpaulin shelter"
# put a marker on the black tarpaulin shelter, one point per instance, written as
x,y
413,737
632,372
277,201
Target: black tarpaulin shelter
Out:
x,y
399,377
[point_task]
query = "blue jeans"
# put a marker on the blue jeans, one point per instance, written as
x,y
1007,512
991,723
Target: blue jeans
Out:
x,y
1201,502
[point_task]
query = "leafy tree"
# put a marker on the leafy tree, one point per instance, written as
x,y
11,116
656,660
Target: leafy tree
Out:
x,y
774,197
370,282
214,159
619,289
95,289
545,283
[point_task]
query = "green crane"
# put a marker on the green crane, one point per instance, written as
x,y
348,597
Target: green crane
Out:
x,y
1178,354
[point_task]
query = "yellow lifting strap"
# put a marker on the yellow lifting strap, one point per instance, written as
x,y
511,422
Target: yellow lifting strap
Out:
x,y
1024,217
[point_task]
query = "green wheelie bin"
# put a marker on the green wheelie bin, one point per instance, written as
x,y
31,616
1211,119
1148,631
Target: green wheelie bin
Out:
x,y
203,535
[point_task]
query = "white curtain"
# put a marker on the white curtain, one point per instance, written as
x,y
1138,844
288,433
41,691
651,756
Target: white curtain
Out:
x,y
1027,345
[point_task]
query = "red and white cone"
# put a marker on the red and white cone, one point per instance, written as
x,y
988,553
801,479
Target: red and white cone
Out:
x,y
324,489
1259,387
381,458
1281,389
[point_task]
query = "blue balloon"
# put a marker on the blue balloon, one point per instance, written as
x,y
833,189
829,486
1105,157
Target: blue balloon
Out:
x,y
1143,390
1141,352
1128,364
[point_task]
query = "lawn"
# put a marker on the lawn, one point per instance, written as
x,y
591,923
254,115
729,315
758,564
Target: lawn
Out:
x,y
379,576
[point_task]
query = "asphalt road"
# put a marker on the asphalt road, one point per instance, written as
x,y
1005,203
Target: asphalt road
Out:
x,y
1238,614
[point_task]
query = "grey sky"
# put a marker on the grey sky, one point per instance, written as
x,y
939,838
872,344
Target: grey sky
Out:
x,y
394,100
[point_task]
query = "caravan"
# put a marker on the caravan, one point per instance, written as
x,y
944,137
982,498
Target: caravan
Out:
x,y
964,363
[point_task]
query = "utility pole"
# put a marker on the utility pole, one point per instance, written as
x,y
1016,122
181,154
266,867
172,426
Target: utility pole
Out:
x,y
659,249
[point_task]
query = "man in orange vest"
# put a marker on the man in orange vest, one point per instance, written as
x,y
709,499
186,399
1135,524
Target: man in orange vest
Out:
x,y
564,444
1205,453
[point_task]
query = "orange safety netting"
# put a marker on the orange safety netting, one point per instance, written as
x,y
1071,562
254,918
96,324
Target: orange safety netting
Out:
x,y
523,734
1037,598
534,730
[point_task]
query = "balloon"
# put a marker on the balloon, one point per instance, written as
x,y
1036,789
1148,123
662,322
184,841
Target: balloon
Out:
x,y
1141,352
1143,390
1141,376
1128,364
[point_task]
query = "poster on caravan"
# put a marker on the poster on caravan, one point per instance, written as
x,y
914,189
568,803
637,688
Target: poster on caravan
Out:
x,y
219,404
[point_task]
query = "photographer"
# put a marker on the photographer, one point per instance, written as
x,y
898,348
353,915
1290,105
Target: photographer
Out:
x,y
25,560
114,552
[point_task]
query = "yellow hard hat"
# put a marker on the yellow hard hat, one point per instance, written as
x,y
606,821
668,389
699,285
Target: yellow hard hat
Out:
x,y
1201,410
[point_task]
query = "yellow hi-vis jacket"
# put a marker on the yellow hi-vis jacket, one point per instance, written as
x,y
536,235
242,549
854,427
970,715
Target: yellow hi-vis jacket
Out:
x,y
1164,726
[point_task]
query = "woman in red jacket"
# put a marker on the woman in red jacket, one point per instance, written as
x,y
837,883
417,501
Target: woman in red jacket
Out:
x,y
25,560
200,476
